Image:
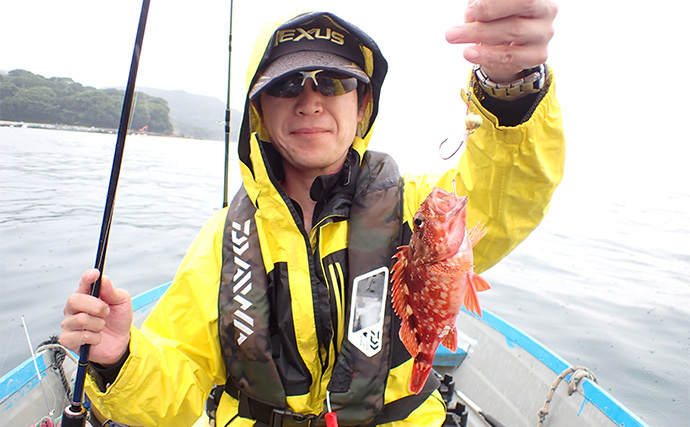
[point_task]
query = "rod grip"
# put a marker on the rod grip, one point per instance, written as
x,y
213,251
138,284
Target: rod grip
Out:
x,y
73,417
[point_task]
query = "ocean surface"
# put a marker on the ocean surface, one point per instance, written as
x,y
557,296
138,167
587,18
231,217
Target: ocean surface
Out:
x,y
603,281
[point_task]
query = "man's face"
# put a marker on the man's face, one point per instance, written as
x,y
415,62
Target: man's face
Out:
x,y
312,132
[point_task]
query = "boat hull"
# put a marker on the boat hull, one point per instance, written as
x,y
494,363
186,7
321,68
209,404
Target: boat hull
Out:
x,y
497,368
509,375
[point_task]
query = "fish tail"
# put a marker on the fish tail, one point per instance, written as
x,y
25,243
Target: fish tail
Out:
x,y
420,372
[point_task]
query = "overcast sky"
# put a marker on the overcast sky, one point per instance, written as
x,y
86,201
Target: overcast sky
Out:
x,y
615,62
186,43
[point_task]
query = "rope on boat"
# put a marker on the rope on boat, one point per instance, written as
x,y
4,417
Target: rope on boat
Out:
x,y
60,348
579,372
59,354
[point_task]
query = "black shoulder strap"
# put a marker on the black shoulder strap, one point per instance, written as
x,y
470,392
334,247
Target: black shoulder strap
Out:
x,y
358,382
243,309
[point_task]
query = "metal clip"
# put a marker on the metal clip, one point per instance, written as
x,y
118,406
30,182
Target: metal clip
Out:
x,y
287,418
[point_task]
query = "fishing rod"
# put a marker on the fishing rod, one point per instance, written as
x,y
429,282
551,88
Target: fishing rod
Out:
x,y
493,422
228,116
75,415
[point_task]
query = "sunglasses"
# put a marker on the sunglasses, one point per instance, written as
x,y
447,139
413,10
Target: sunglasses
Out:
x,y
327,83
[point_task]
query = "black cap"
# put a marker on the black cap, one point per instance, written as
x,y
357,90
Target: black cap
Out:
x,y
319,43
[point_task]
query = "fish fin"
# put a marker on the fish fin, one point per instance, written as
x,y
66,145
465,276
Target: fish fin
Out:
x,y
402,251
408,336
400,265
401,306
476,233
451,340
479,283
471,301
399,288
420,372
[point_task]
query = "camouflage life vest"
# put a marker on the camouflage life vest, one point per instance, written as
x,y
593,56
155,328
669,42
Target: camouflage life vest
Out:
x,y
370,345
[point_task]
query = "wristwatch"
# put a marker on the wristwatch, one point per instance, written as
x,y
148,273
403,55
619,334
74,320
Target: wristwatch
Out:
x,y
532,81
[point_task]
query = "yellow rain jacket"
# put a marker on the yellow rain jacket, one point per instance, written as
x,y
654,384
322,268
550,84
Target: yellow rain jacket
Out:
x,y
176,359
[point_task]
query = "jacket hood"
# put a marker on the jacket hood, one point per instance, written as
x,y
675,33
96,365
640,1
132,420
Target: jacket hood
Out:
x,y
273,42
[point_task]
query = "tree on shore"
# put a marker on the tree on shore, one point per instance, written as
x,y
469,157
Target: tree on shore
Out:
x,y
29,97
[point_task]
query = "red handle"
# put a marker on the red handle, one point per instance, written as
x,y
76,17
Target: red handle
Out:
x,y
331,419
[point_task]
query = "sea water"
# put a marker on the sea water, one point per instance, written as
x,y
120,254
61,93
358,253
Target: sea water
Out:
x,y
603,281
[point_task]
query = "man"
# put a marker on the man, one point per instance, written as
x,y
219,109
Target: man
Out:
x,y
262,301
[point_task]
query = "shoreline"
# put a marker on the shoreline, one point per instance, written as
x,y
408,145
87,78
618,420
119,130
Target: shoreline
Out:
x,y
90,129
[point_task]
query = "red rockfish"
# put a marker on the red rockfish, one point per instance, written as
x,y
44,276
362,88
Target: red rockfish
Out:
x,y
433,278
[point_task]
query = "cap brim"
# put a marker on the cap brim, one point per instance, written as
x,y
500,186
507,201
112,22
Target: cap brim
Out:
x,y
304,60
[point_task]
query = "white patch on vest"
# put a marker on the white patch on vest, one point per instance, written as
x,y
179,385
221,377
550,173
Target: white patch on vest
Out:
x,y
241,281
239,240
367,310
244,303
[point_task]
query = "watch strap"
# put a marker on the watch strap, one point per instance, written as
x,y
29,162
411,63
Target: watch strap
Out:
x,y
532,81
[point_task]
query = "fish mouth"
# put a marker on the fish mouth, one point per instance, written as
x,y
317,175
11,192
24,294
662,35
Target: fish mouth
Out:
x,y
446,204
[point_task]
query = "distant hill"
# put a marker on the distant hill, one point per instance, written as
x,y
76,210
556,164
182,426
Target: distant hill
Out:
x,y
197,116
29,97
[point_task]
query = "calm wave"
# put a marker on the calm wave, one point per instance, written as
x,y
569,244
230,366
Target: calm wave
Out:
x,y
603,281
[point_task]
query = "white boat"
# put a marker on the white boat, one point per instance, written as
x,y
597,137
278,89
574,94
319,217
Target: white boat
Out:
x,y
503,374
24,400
499,376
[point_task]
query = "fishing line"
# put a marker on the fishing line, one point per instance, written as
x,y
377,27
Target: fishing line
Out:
x,y
472,122
75,414
7,349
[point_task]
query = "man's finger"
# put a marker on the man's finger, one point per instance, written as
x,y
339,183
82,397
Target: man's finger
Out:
x,y
490,10
506,57
81,303
87,280
513,30
111,294
75,340
83,322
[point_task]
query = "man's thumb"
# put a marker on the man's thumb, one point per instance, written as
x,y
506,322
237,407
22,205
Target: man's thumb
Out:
x,y
110,294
